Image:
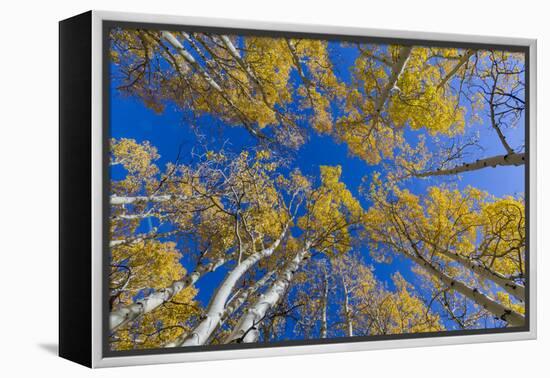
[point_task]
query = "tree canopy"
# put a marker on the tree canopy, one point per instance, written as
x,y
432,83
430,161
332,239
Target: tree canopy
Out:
x,y
254,227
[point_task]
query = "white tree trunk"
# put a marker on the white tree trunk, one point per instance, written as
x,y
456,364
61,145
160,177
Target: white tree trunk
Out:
x,y
510,286
239,300
122,200
498,310
324,304
494,161
396,71
246,67
139,238
208,78
462,61
190,59
139,216
246,330
232,306
347,310
298,65
237,56
216,307
124,314
114,243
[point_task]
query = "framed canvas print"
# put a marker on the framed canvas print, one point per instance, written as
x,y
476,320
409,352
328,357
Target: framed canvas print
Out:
x,y
235,189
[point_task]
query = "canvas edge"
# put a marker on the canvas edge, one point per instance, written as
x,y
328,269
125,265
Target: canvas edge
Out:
x,y
97,162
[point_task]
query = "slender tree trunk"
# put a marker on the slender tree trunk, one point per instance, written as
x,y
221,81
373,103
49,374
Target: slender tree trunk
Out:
x,y
239,300
216,307
190,59
462,61
347,310
324,304
396,71
246,67
493,161
123,200
237,56
236,303
498,310
247,330
138,216
172,40
494,122
232,306
510,286
139,238
296,59
128,313
114,243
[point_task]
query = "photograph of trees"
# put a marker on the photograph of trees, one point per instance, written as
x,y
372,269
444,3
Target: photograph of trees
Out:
x,y
267,189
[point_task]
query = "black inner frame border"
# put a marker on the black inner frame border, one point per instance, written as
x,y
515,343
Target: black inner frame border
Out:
x,y
107,25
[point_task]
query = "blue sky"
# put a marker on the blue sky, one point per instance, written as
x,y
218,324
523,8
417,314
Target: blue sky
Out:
x,y
168,131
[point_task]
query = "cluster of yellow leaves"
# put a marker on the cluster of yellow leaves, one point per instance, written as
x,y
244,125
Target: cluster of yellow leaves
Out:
x,y
296,182
138,268
415,101
261,190
151,264
138,161
208,198
503,245
322,86
419,103
371,143
401,312
165,324
129,38
258,213
468,222
251,88
215,231
451,218
380,311
271,61
331,213
365,302
460,221
505,299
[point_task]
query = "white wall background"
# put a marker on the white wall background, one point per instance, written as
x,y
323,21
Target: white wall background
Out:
x,y
28,185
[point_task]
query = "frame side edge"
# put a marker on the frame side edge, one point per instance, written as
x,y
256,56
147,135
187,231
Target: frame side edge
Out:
x,y
74,194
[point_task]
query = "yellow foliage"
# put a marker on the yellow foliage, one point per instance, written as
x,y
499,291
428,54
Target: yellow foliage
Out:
x,y
445,222
414,101
386,312
147,264
138,161
505,299
331,213
137,269
503,245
